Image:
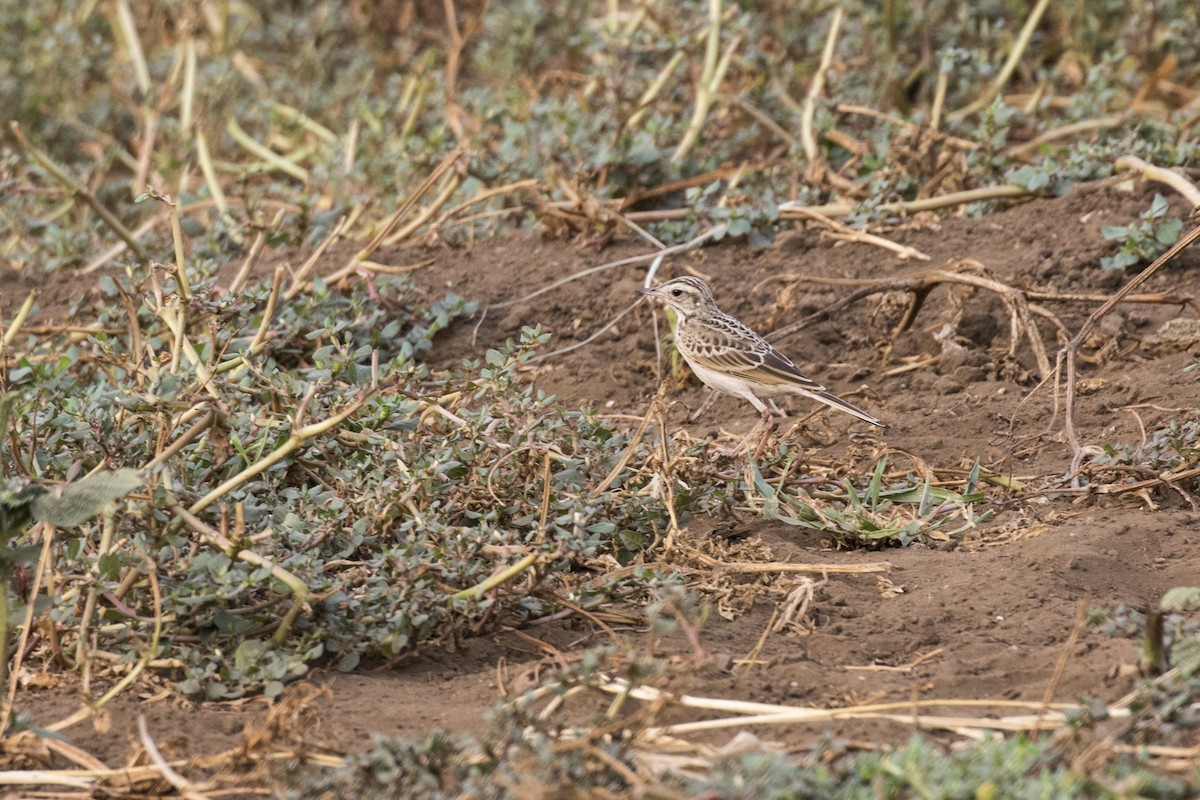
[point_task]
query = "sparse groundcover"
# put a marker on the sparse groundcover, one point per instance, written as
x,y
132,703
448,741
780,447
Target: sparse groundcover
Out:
x,y
278,407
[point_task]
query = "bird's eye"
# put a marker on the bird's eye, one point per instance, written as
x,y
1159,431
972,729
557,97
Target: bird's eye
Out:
x,y
677,292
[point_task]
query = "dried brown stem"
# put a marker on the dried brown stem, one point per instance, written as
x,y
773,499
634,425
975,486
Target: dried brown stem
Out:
x,y
1070,352
70,184
919,286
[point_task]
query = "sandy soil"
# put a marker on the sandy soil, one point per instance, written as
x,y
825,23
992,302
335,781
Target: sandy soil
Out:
x,y
997,608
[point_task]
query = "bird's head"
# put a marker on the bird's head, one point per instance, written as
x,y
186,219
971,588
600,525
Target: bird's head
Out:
x,y
687,295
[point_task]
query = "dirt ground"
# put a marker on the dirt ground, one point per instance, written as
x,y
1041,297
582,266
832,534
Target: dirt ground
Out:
x,y
996,610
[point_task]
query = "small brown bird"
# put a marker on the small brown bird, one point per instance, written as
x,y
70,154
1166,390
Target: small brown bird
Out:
x,y
730,357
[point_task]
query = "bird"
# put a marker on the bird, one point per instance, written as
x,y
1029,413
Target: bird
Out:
x,y
728,356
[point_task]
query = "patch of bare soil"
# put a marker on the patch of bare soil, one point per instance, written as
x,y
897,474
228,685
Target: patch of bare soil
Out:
x,y
988,618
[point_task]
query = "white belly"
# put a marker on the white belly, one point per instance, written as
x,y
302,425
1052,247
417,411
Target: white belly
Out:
x,y
725,383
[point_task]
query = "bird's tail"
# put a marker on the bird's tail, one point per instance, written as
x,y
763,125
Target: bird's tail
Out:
x,y
833,401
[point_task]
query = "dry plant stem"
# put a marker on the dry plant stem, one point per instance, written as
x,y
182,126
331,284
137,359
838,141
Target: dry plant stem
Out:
x,y
1066,131
242,362
939,100
394,220
133,45
215,539
1162,175
188,93
151,651
145,152
19,320
452,183
173,316
1063,657
807,136
588,340
752,656
305,121
152,223
650,694
300,281
60,174
863,111
210,173
765,120
652,91
920,286
1070,351
255,253
181,279
1165,298
792,210
710,80
183,441
484,195
1010,65
902,251
181,784
274,161
679,248
126,777
13,678
299,436
499,579
633,443
107,529
770,567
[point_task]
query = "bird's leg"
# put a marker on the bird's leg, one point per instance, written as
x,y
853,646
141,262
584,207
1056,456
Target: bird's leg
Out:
x,y
762,431
764,438
704,405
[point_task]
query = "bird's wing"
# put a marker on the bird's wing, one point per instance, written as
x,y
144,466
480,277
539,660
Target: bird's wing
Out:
x,y
727,345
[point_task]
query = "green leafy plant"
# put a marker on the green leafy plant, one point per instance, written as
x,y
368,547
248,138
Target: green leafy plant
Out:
x,y
21,504
875,515
1145,240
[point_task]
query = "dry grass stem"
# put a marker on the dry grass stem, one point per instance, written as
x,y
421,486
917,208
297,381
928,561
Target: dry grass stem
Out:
x,y
964,272
846,233
300,280
1065,132
815,88
791,209
61,175
1169,177
1010,64
670,251
1069,353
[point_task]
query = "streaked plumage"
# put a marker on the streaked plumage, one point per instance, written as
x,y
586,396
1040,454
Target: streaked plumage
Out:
x,y
730,357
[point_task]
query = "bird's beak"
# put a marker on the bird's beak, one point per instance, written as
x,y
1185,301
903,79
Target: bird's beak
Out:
x,y
646,290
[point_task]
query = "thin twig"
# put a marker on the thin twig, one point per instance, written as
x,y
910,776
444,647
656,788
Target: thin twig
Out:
x,y
181,784
558,284
61,175
1068,354
902,251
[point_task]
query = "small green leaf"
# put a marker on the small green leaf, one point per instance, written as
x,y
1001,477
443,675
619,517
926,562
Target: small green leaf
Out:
x,y
82,500
110,567
1181,598
1168,232
248,653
